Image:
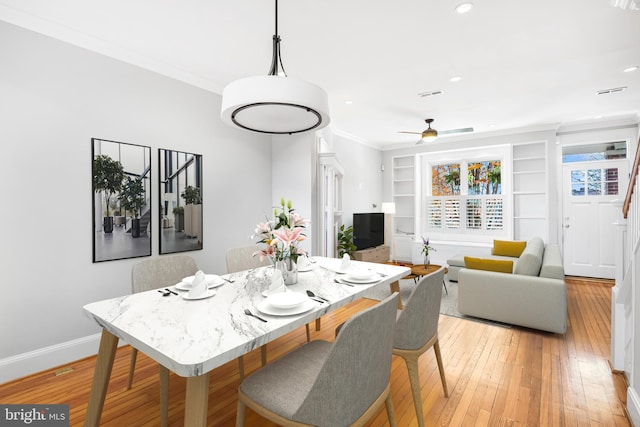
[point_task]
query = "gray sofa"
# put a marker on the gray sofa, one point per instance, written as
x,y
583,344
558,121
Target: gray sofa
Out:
x,y
534,296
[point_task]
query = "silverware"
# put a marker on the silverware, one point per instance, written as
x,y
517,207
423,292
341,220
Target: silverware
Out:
x,y
229,281
164,294
342,283
249,313
380,274
169,290
316,297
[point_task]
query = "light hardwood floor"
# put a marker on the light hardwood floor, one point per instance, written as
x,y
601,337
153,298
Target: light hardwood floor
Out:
x,y
496,376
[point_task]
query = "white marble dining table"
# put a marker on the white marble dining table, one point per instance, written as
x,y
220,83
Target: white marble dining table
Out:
x,y
192,337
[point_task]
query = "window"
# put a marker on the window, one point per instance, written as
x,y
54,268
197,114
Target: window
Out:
x,y
445,180
484,177
594,182
594,152
474,204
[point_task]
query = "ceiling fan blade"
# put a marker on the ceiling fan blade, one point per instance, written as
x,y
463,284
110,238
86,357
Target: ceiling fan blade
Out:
x,y
406,131
450,131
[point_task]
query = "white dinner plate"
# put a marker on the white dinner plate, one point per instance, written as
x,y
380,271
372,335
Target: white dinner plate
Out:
x,y
213,280
266,308
208,294
360,274
305,269
286,300
183,286
373,279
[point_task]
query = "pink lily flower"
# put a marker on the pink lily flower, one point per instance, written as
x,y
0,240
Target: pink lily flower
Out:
x,y
287,236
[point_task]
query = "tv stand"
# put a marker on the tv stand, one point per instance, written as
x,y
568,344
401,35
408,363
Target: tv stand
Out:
x,y
377,254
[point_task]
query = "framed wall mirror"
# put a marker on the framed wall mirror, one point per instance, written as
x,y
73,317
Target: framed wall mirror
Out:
x,y
122,220
180,195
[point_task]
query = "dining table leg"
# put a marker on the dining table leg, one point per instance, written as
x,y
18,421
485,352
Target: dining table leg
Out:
x,y
101,375
196,400
164,396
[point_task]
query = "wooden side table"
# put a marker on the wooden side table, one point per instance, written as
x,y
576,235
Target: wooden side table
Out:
x,y
420,270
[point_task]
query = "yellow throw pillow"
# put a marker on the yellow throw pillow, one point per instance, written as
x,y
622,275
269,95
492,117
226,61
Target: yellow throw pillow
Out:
x,y
499,265
508,248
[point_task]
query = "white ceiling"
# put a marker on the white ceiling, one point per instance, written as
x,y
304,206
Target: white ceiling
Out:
x,y
524,64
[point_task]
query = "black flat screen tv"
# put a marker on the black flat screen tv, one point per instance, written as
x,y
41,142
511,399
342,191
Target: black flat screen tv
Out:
x,y
368,230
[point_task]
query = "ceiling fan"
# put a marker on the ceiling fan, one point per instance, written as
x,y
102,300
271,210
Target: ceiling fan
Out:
x,y
430,134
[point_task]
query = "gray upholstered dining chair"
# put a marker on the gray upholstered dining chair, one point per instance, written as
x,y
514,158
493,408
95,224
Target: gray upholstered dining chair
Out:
x,y
153,274
417,330
343,383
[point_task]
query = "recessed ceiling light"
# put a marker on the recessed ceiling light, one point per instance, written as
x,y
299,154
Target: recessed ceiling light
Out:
x,y
464,7
348,102
455,79
630,69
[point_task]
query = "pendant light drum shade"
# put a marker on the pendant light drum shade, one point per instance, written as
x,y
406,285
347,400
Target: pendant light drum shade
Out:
x,y
275,104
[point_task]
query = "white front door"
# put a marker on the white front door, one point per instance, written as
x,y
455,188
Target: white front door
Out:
x,y
589,188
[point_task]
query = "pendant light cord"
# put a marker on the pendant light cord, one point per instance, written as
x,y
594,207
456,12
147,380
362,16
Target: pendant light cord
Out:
x,y
277,58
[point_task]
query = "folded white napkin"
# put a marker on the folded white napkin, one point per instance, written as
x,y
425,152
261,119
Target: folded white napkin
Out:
x,y
346,262
199,285
277,283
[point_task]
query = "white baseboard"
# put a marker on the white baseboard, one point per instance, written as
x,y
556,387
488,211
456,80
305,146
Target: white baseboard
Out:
x,y
45,358
633,406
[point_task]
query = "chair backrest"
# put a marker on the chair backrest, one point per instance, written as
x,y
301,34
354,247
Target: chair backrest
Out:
x,y
418,321
161,272
241,258
356,371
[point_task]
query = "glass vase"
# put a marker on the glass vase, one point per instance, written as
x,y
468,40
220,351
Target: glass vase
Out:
x,y
427,260
289,269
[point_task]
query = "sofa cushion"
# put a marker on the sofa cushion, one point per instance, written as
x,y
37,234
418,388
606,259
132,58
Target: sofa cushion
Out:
x,y
499,265
552,263
530,260
508,248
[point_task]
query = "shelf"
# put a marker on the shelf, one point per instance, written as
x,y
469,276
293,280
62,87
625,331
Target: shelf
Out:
x,y
528,192
528,158
403,180
530,217
403,195
529,172
404,167
404,216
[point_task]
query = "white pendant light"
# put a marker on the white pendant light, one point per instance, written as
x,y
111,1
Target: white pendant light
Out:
x,y
275,103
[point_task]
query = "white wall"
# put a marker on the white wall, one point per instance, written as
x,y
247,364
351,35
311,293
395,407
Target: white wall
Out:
x,y
294,174
362,183
54,98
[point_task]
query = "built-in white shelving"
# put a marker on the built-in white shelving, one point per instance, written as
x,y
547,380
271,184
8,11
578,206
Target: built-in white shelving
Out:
x,y
530,194
404,196
403,193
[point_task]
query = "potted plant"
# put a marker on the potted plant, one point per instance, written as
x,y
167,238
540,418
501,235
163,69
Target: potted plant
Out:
x,y
108,175
178,213
191,195
132,199
345,241
192,211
